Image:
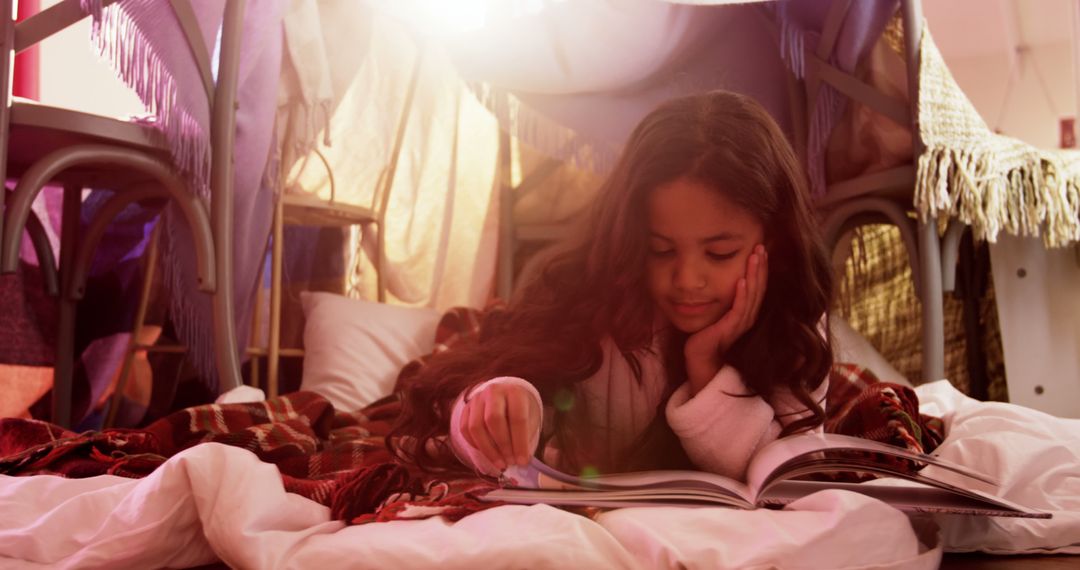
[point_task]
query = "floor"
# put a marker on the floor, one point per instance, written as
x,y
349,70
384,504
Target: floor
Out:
x,y
979,561
975,561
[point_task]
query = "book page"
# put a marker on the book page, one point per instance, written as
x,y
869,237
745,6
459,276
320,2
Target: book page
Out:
x,y
538,475
768,463
612,499
905,495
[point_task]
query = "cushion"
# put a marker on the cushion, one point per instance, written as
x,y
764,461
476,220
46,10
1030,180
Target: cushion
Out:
x,y
354,349
21,387
850,346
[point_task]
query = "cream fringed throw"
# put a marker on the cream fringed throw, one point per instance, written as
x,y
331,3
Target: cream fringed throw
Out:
x,y
989,181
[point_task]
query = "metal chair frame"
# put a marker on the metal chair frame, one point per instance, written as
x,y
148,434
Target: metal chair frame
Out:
x,y
118,148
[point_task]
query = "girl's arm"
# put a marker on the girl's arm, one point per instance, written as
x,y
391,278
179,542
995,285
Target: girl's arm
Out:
x,y
475,449
722,426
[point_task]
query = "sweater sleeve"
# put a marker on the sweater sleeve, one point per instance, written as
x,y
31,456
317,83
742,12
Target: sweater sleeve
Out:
x,y
465,452
723,425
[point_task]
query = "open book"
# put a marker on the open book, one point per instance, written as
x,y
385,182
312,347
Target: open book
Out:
x,y
771,481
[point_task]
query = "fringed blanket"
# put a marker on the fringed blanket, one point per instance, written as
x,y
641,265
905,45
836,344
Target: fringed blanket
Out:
x,y
340,459
988,181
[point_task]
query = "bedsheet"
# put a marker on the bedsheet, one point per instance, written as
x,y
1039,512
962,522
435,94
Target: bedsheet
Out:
x,y
1036,458
214,502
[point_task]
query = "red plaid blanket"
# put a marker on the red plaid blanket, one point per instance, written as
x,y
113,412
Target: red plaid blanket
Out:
x,y
860,405
340,459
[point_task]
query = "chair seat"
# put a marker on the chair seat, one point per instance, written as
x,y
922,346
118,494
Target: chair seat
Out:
x,y
308,210
40,129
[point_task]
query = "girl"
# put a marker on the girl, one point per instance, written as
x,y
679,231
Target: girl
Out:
x,y
681,327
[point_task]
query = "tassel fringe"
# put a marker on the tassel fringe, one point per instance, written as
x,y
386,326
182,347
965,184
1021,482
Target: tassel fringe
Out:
x,y
1033,194
120,42
544,134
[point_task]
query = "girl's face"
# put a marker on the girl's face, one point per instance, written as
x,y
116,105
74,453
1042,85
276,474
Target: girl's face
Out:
x,y
699,245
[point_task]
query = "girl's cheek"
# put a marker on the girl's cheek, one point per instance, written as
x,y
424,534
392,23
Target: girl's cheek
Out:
x,y
655,289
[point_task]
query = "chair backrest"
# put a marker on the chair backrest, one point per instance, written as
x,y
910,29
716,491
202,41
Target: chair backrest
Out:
x,y
220,96
822,73
211,122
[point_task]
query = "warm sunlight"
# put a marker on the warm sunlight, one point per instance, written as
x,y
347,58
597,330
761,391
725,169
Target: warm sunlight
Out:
x,y
439,17
540,284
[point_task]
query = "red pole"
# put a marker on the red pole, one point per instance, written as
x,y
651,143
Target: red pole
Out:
x,y
26,79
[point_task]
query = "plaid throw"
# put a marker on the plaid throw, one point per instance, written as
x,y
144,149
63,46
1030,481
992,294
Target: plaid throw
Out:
x,y
340,459
860,405
335,458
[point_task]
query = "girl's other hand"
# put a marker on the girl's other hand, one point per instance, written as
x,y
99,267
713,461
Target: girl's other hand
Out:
x,y
500,421
705,349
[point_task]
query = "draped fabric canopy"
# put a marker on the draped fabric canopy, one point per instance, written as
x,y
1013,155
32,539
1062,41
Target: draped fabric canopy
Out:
x,y
441,227
565,79
582,73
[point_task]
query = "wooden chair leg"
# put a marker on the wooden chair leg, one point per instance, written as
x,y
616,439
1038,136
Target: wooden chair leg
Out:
x,y
140,319
64,371
273,354
254,349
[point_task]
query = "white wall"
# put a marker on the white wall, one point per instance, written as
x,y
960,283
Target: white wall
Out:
x,y
1029,113
1038,290
73,76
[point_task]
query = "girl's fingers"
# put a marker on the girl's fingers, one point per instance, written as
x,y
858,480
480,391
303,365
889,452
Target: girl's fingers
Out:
x,y
731,320
741,316
763,279
518,419
755,286
466,426
745,315
481,439
740,307
498,427
500,423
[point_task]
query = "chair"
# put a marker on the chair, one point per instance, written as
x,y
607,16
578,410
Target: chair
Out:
x,y
886,196
300,209
43,144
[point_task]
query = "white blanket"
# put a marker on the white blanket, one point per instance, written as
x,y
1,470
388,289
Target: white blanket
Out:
x,y
217,502
1036,458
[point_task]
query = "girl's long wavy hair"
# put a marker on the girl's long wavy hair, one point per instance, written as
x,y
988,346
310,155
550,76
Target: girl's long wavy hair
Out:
x,y
594,288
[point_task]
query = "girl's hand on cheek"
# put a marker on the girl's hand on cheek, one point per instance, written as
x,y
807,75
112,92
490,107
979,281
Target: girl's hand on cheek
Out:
x,y
500,421
705,349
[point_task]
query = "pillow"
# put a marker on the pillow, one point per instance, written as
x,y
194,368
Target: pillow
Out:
x,y
850,346
354,349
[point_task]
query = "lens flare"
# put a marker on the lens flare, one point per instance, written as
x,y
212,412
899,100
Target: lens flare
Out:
x,y
564,400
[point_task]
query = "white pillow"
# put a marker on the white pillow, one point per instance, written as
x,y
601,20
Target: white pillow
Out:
x,y
850,346
354,349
